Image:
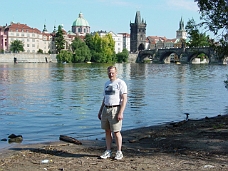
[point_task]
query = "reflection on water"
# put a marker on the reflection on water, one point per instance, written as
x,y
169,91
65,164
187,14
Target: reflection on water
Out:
x,y
43,101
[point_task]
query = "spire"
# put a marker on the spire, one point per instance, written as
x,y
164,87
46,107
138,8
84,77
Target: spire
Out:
x,y
45,29
54,31
138,17
181,24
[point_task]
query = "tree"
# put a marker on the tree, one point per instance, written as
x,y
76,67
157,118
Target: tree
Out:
x,y
40,51
122,56
108,48
103,49
80,50
197,39
17,46
89,41
59,40
96,50
64,56
214,14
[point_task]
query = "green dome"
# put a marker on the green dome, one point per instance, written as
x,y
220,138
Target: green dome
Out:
x,y
80,21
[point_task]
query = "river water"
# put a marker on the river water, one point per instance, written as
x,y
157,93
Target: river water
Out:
x,y
41,101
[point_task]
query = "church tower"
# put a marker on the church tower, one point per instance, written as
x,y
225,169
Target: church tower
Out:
x,y
181,33
137,33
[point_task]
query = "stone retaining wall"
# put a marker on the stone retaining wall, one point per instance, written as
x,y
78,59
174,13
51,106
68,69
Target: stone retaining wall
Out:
x,y
41,58
23,57
132,57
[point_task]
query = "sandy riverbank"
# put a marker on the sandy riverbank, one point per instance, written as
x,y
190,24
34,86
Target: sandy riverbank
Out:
x,y
193,145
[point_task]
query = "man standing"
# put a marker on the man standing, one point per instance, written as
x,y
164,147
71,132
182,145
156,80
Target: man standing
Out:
x,y
111,111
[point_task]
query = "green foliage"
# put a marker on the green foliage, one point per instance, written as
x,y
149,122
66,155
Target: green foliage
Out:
x,y
108,48
17,46
202,56
102,48
122,56
89,41
59,40
40,51
197,39
64,56
94,48
214,14
1,51
80,50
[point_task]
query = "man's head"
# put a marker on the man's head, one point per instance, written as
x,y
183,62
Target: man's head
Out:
x,y
112,73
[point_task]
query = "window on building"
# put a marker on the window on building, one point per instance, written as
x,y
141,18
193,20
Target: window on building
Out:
x,y
33,35
33,45
79,30
27,40
27,45
33,40
17,34
28,35
28,51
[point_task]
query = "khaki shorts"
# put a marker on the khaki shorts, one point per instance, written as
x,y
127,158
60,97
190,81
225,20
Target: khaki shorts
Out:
x,y
109,119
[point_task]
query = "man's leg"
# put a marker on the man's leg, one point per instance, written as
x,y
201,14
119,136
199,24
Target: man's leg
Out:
x,y
108,152
108,135
118,137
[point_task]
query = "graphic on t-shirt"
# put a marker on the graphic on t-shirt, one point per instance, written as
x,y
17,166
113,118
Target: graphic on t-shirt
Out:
x,y
109,90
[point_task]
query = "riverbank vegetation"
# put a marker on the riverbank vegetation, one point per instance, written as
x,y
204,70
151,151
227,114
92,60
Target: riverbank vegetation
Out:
x,y
92,48
17,46
214,16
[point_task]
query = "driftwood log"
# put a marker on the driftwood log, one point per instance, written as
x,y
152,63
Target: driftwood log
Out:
x,y
69,139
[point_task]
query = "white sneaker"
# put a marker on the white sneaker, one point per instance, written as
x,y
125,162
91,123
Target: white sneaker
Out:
x,y
119,155
106,154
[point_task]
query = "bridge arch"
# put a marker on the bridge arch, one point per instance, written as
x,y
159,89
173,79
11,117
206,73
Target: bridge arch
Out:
x,y
166,58
184,55
194,57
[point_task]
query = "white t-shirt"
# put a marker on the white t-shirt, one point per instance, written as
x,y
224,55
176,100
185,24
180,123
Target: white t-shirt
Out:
x,y
113,91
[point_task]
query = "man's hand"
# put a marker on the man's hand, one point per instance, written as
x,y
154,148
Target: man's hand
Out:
x,y
120,116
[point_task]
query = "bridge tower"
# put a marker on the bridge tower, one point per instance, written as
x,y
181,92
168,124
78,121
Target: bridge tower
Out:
x,y
137,33
181,32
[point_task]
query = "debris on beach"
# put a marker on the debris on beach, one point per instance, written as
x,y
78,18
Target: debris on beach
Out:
x,y
15,138
69,139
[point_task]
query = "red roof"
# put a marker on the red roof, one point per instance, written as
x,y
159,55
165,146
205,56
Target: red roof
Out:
x,y
22,28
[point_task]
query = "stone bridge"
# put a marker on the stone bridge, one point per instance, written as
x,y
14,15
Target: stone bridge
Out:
x,y
182,55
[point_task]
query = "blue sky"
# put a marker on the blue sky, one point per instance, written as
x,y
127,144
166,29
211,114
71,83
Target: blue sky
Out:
x,y
162,16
